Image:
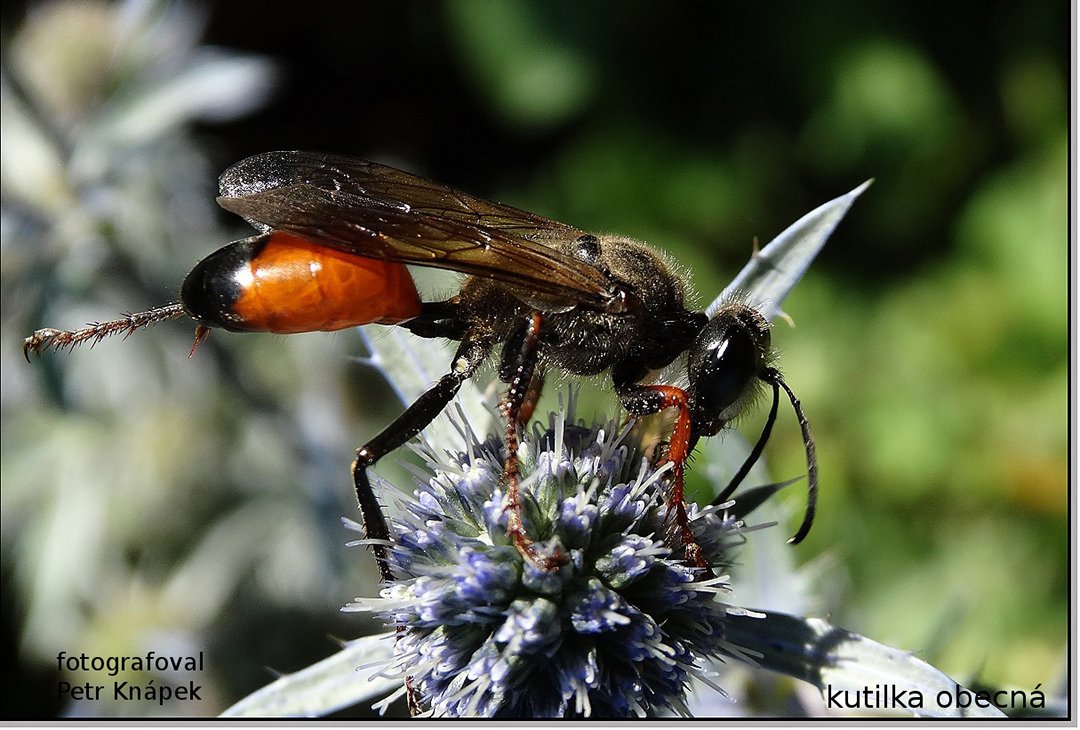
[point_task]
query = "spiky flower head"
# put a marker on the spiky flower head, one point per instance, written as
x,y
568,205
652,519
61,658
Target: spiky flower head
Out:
x,y
617,630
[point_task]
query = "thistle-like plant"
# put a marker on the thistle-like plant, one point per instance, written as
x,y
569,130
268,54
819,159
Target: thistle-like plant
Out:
x,y
618,630
624,627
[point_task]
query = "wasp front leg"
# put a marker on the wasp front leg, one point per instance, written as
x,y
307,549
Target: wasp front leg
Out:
x,y
646,400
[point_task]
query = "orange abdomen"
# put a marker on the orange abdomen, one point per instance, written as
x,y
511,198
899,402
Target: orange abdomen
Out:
x,y
276,282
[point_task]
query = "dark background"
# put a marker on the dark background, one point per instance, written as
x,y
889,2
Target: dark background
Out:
x,y
930,352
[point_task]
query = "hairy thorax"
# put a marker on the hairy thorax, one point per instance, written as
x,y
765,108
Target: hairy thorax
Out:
x,y
583,341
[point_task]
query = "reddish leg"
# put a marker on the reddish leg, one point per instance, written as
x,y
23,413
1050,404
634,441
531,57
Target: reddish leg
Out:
x,y
532,397
520,376
641,400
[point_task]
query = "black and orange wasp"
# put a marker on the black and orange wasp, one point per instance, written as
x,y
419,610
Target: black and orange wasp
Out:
x,y
335,234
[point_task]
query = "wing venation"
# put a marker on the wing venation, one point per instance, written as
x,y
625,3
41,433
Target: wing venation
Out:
x,y
378,211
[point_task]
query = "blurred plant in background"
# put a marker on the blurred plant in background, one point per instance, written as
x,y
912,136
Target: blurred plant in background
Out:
x,y
149,502
148,496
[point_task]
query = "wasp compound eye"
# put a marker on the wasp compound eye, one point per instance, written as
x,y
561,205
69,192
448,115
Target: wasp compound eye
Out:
x,y
728,368
723,367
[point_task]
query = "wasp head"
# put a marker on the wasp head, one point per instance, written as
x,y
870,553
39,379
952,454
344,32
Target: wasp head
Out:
x,y
727,364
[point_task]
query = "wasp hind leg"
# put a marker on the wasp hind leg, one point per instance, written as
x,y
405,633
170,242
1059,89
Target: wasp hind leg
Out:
x,y
470,354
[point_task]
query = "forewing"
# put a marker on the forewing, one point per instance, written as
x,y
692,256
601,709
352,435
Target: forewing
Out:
x,y
378,211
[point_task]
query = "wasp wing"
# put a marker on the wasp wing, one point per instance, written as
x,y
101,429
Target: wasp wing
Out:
x,y
378,211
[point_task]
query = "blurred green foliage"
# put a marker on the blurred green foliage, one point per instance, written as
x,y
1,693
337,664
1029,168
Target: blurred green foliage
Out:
x,y
145,495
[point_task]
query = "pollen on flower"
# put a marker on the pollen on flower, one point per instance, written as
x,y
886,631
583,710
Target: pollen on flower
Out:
x,y
616,631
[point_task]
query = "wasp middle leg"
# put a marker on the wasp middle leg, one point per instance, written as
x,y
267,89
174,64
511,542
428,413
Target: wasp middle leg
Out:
x,y
520,371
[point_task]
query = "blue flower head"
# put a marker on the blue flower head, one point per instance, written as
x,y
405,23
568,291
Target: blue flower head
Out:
x,y
617,630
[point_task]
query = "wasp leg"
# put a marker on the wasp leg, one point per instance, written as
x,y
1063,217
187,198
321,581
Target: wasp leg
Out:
x,y
755,453
439,319
645,400
520,373
532,397
470,354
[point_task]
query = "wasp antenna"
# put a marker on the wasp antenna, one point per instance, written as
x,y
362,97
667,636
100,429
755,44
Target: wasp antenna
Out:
x,y
755,453
811,459
50,339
